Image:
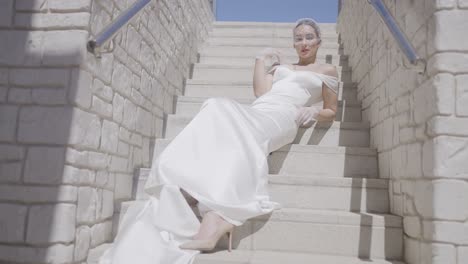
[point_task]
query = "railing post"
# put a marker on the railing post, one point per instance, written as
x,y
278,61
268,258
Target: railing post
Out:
x,y
94,45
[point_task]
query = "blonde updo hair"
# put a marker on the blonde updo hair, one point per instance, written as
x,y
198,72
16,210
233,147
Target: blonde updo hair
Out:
x,y
309,22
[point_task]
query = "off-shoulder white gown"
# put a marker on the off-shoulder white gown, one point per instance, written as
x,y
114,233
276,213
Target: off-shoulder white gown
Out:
x,y
219,158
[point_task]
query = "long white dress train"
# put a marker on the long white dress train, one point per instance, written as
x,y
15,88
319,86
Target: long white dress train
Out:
x,y
219,158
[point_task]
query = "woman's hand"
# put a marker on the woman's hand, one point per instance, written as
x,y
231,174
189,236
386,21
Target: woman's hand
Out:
x,y
269,53
306,115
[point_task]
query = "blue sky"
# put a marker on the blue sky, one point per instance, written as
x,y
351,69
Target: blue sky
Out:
x,y
324,11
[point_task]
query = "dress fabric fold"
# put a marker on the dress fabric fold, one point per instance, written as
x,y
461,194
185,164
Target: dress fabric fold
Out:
x,y
219,158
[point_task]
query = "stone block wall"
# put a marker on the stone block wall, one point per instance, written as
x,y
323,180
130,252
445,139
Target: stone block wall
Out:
x,y
74,128
419,123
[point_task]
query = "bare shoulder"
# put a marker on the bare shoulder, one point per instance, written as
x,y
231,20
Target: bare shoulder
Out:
x,y
329,69
331,82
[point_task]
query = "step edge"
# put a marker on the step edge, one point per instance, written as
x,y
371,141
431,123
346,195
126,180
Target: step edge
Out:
x,y
343,57
332,217
355,151
249,255
244,83
345,125
263,23
200,99
202,65
318,181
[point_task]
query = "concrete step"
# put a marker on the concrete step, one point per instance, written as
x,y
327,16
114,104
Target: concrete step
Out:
x,y
221,256
278,257
338,60
190,106
353,234
244,90
324,161
255,32
351,134
315,161
250,66
265,42
246,51
217,72
267,25
321,193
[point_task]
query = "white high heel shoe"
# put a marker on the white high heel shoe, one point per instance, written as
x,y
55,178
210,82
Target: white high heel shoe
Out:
x,y
207,244
210,243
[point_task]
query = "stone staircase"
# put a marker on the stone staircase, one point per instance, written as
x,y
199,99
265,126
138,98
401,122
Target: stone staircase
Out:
x,y
335,207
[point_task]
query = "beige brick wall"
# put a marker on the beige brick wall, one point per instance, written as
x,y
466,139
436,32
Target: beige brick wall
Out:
x,y
419,123
73,128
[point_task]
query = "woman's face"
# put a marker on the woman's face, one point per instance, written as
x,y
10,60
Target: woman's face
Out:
x,y
306,41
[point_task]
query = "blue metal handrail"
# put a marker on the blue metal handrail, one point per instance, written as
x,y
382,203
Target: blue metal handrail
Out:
x,y
402,40
94,45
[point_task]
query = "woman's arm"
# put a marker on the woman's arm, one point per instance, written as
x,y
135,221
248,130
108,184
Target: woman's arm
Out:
x,y
327,113
330,98
262,81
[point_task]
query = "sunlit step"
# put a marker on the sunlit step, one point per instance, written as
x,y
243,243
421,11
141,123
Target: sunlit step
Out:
x,y
218,72
321,193
281,257
347,111
206,58
244,90
286,42
318,232
315,160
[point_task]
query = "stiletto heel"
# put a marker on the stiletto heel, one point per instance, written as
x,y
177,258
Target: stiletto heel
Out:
x,y
210,243
230,240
